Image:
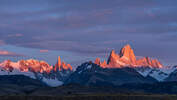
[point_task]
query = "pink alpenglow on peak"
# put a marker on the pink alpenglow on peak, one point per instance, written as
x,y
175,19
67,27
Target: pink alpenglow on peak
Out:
x,y
127,58
127,54
27,65
98,62
7,53
35,66
62,65
44,51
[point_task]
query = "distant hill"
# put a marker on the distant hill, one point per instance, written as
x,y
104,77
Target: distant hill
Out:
x,y
18,84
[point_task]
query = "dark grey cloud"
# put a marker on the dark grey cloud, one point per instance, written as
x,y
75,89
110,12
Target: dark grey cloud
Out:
x,y
91,27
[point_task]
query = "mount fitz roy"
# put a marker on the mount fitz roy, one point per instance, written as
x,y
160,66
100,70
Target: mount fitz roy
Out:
x,y
145,66
122,68
127,58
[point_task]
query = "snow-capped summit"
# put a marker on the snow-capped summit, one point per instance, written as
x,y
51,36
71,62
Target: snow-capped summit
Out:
x,y
40,70
146,66
27,65
159,74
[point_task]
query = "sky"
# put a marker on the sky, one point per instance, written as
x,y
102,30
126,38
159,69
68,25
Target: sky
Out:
x,y
81,30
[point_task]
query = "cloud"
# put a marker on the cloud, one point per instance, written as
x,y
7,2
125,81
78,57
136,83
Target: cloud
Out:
x,y
7,53
44,51
2,42
86,26
15,35
171,38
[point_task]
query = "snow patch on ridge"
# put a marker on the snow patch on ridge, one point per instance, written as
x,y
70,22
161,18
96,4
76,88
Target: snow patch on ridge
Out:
x,y
89,66
158,73
168,70
145,72
80,72
17,72
52,82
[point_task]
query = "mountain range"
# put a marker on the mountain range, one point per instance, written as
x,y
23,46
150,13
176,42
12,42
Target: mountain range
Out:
x,y
119,69
127,58
40,70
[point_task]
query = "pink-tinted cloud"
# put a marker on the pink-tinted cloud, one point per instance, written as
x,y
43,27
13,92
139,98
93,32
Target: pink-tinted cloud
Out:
x,y
15,35
116,41
44,51
7,53
2,42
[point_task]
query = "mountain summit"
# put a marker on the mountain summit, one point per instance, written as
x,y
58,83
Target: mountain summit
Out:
x,y
41,70
128,54
127,58
62,65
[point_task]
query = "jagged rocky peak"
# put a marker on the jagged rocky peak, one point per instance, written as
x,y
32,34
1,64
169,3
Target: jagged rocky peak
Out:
x,y
113,53
127,58
156,63
127,53
62,65
97,61
40,70
7,66
113,58
146,61
58,64
59,61
27,65
32,65
102,64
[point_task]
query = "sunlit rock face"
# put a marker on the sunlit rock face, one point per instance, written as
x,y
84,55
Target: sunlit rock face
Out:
x,y
113,60
146,61
27,65
98,62
40,70
127,55
35,66
62,65
127,58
